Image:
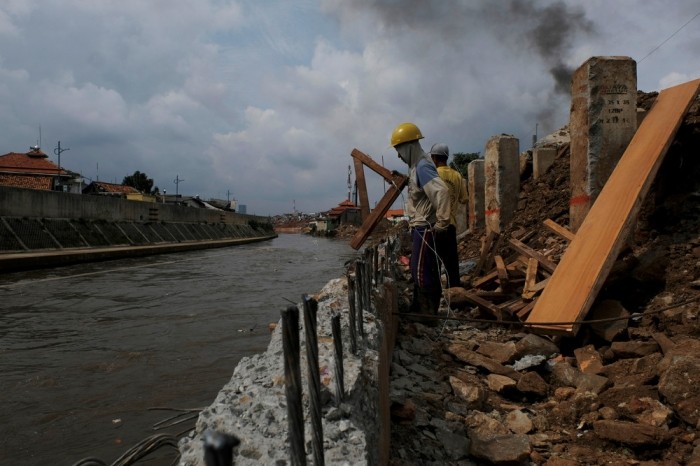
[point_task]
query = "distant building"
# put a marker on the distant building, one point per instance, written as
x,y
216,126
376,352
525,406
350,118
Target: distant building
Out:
x,y
34,170
110,189
346,213
396,215
242,208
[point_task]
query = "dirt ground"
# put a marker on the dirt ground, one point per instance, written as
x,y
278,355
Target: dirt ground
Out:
x,y
645,409
658,270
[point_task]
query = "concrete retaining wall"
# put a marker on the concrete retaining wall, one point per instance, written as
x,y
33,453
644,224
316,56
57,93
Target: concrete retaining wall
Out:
x,y
31,203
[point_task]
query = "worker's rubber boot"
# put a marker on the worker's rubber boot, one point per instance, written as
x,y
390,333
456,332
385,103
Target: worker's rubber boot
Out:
x,y
426,303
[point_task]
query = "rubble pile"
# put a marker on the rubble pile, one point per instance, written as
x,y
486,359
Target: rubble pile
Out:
x,y
623,391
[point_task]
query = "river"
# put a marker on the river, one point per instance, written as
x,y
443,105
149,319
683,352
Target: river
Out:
x,y
87,352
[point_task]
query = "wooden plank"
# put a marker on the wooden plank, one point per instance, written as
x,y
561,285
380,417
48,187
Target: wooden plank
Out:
x,y
398,182
529,252
501,271
485,250
485,305
530,278
558,229
361,189
492,275
513,306
524,312
585,265
370,162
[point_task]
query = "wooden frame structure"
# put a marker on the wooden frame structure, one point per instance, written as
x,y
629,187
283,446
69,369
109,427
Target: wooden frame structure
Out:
x,y
397,182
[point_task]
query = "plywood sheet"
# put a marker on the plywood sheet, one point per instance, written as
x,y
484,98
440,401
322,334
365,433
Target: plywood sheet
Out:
x,y
586,263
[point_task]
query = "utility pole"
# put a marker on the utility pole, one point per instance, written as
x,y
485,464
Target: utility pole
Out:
x,y
58,152
177,182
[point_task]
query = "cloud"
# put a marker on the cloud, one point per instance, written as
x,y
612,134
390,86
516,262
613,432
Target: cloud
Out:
x,y
266,100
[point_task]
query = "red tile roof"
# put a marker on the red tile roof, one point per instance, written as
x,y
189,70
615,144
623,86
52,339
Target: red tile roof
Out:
x,y
33,162
394,213
110,188
342,207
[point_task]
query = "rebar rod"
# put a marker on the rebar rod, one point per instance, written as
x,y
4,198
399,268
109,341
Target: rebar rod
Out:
x,y
352,315
292,383
314,378
338,356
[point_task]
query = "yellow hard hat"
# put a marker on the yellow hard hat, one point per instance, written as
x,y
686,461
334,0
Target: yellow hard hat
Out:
x,y
405,132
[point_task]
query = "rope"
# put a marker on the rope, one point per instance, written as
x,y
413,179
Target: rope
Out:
x,y
534,324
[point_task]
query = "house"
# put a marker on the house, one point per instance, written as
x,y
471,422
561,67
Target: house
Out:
x,y
34,170
346,213
110,189
396,215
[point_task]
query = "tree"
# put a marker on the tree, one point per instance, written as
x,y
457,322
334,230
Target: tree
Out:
x,y
460,160
139,181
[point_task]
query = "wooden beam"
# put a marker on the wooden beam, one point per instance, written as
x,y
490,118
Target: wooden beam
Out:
x,y
525,311
529,252
492,275
361,189
530,278
485,305
485,250
589,258
501,271
558,229
369,161
397,182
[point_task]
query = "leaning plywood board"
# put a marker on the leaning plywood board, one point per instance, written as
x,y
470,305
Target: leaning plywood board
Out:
x,y
586,263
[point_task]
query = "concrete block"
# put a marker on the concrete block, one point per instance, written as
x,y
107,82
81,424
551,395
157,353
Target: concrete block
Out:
x,y
542,159
502,181
603,120
475,175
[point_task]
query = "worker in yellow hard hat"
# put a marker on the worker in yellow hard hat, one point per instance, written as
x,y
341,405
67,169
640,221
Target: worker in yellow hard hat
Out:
x,y
428,209
447,249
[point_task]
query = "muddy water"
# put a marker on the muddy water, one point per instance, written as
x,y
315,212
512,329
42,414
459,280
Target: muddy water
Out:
x,y
87,351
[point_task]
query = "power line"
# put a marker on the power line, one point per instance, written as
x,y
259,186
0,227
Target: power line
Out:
x,y
669,37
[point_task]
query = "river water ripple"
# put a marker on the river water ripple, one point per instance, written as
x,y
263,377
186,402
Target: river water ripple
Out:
x,y
86,350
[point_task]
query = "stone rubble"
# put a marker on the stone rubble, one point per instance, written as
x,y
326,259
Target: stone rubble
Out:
x,y
252,406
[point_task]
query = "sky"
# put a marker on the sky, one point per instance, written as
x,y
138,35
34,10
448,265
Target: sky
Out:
x,y
263,101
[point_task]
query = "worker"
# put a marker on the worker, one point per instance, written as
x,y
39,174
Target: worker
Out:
x,y
447,247
428,209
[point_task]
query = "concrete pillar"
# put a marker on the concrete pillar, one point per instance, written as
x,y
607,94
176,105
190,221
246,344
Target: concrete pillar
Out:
x,y
475,175
462,220
602,122
542,159
502,181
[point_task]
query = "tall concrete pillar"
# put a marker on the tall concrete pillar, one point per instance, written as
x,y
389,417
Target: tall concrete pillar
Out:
x,y
542,159
502,181
462,214
603,120
475,175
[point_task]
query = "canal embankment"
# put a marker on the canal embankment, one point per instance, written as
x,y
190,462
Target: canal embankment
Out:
x,y
47,229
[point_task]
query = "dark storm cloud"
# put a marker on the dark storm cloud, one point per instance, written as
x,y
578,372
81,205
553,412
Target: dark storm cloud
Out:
x,y
549,29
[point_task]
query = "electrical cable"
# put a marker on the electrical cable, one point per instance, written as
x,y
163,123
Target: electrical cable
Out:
x,y
669,38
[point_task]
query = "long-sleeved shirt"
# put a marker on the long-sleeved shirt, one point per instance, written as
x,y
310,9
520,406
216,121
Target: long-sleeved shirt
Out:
x,y
458,191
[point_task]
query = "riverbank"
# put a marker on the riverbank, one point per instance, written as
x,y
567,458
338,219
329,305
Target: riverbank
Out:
x,y
33,243
252,405
44,259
